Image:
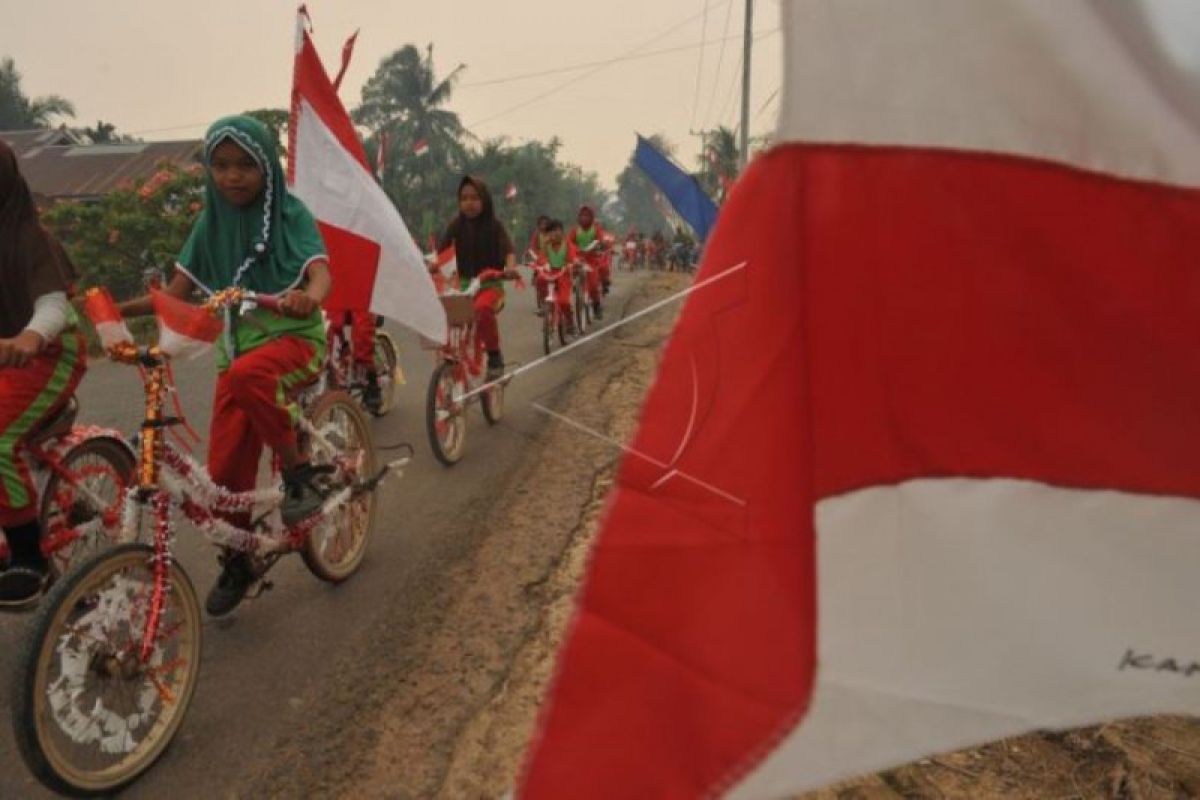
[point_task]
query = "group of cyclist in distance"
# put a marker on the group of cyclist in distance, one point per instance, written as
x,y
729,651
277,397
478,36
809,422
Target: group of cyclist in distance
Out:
x,y
254,234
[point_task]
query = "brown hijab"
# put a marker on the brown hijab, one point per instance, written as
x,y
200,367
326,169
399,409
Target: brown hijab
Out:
x,y
32,263
480,243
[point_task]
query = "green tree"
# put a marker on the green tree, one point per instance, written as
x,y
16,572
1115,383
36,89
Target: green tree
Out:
x,y
18,112
718,160
405,100
544,184
276,120
114,240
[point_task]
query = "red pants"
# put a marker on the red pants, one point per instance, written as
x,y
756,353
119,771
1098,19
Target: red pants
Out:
x,y
488,303
562,292
28,396
252,407
362,337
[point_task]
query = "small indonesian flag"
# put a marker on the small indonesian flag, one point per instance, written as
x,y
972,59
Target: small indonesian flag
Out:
x,y
421,147
381,156
110,326
510,192
445,265
184,329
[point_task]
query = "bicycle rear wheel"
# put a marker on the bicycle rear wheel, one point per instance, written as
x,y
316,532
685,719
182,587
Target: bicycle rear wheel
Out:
x,y
547,330
445,414
336,546
90,716
87,502
387,366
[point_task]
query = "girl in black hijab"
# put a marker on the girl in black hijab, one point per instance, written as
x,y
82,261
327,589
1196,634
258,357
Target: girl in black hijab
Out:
x,y
480,243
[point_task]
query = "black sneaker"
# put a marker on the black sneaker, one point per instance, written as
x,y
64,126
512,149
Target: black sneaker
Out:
x,y
302,495
597,311
372,395
22,584
236,578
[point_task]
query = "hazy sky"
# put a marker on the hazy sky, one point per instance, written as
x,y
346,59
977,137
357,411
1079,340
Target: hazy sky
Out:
x,y
152,65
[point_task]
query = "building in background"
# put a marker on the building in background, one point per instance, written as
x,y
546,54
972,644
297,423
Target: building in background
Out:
x,y
59,166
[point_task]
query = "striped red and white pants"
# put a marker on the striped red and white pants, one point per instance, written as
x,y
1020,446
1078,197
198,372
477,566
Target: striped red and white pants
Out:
x,y
28,396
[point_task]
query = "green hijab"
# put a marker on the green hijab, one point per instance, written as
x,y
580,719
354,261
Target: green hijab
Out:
x,y
264,246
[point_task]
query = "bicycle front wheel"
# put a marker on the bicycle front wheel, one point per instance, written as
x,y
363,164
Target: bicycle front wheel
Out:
x,y
445,414
336,547
90,714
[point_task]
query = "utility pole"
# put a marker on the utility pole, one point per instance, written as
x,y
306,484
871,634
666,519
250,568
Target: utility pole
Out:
x,y
747,39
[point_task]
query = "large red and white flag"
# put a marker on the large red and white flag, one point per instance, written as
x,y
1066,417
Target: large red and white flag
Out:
x,y
921,466
376,265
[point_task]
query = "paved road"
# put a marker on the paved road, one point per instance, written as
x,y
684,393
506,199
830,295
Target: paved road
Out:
x,y
264,667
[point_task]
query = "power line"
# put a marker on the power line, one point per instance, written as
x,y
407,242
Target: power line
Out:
x,y
720,63
602,62
699,65
767,103
558,88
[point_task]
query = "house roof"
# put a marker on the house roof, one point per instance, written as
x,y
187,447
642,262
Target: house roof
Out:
x,y
57,166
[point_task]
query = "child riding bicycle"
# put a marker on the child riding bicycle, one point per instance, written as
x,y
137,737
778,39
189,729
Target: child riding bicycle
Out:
x,y
42,359
254,234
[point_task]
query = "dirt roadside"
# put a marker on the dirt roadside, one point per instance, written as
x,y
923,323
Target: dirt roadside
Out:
x,y
450,716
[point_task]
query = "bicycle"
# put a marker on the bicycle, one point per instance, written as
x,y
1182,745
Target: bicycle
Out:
x,y
554,320
341,372
81,473
455,384
593,257
107,676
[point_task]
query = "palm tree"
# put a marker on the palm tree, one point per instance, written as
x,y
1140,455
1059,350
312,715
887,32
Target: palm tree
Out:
x,y
18,112
405,99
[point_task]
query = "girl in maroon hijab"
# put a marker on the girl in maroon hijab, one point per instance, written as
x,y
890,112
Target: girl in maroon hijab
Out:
x,y
42,358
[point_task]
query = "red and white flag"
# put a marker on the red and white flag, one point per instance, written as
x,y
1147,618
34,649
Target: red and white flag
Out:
x,y
446,262
919,470
375,263
421,147
510,191
381,155
445,266
101,311
184,329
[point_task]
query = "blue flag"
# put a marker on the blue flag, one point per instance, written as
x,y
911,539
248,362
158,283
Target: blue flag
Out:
x,y
681,189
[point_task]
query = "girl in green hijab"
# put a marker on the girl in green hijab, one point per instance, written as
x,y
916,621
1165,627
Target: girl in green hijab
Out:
x,y
255,234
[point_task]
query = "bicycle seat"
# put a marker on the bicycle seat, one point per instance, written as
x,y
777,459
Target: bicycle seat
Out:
x,y
57,423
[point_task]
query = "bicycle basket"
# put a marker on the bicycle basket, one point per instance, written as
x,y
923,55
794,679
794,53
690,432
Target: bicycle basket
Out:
x,y
460,309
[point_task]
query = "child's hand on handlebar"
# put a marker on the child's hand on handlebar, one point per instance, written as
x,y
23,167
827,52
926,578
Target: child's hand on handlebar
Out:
x,y
512,274
17,351
298,304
